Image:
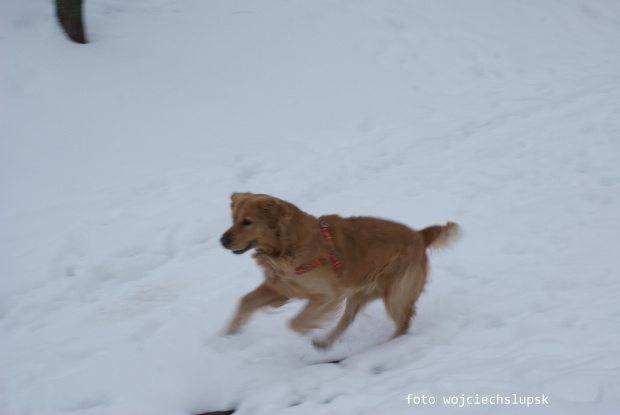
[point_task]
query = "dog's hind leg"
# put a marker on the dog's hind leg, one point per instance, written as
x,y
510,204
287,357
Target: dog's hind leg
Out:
x,y
355,303
400,298
262,296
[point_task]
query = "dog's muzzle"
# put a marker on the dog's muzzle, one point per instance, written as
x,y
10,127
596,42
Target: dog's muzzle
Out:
x,y
247,248
227,242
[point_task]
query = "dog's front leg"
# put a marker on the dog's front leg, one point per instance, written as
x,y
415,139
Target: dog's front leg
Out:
x,y
309,317
354,304
314,313
262,296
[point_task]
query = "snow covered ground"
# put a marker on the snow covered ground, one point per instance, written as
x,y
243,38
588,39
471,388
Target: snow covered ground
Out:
x,y
117,160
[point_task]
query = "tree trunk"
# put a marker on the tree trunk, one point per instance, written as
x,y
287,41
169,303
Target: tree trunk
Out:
x,y
70,16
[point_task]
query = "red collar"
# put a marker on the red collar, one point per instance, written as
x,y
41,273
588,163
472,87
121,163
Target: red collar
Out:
x,y
332,255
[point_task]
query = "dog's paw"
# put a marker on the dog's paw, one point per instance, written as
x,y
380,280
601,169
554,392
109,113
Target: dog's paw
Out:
x,y
231,330
321,344
296,326
302,326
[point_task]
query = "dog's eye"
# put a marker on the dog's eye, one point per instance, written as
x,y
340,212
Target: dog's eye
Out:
x,y
246,222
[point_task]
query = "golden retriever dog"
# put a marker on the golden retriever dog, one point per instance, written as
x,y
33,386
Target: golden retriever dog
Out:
x,y
328,260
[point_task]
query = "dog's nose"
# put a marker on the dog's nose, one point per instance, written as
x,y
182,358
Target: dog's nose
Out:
x,y
225,240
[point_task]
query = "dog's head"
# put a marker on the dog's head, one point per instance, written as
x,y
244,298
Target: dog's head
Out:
x,y
256,222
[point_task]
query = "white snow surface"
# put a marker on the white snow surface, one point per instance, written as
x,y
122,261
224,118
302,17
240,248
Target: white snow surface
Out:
x,y
117,160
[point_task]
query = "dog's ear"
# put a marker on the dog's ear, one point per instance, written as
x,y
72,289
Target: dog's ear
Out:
x,y
275,211
236,198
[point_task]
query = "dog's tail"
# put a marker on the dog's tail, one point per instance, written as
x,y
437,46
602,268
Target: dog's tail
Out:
x,y
437,236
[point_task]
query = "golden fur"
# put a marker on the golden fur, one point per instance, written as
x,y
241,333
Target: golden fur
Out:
x,y
379,259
